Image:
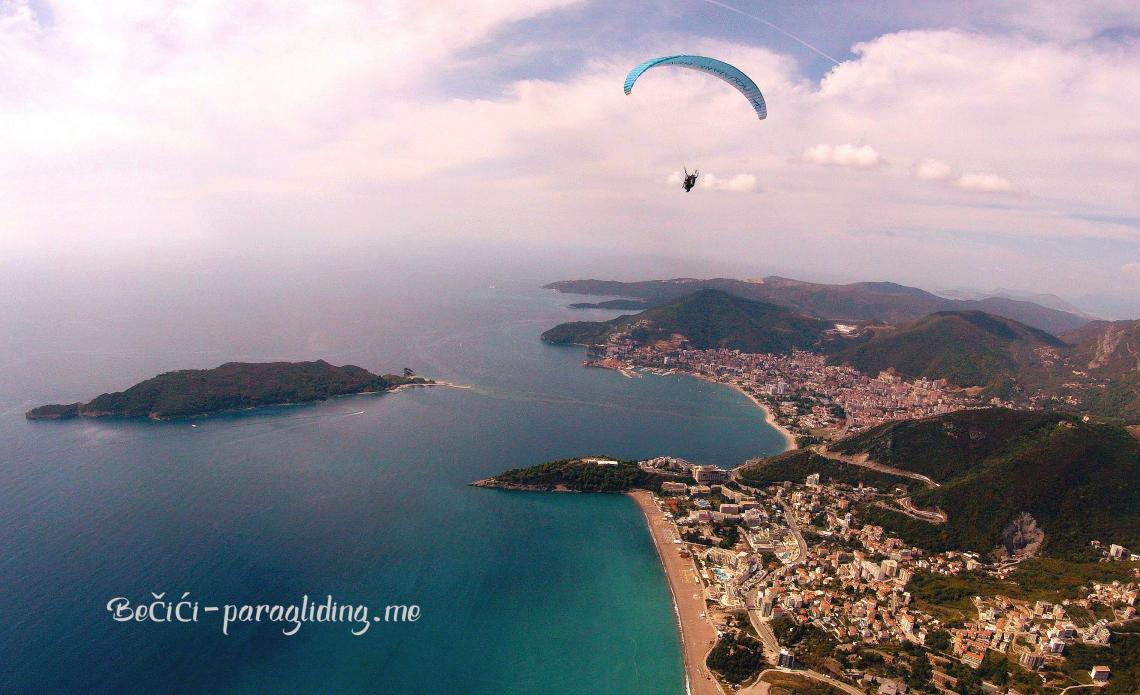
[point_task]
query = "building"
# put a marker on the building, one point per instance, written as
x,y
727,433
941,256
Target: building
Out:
x,y
889,568
673,486
812,480
729,508
709,475
1117,552
753,518
1100,674
787,660
1032,661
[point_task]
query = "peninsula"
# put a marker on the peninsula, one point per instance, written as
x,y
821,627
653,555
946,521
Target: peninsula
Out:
x,y
945,554
232,386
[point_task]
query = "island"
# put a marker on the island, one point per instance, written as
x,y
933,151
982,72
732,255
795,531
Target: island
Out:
x,y
231,386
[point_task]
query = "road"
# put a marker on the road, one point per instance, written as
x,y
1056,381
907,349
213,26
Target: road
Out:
x,y
864,462
761,688
790,519
934,517
1086,685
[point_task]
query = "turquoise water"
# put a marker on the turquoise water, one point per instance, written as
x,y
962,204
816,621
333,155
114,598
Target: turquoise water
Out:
x,y
520,593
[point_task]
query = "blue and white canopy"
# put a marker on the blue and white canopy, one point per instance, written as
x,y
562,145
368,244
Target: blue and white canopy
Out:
x,y
716,68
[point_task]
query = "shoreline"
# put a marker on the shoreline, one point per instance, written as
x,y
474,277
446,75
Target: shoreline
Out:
x,y
697,635
789,438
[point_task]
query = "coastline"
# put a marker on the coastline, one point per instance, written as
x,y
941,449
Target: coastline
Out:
x,y
789,438
697,635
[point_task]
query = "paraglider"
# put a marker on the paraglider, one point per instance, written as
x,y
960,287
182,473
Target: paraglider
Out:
x,y
717,68
690,180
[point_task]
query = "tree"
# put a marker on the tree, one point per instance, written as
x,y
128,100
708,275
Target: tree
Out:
x,y
920,673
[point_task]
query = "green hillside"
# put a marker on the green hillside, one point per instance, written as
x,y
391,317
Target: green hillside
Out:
x,y
1079,481
800,463
708,319
579,475
968,348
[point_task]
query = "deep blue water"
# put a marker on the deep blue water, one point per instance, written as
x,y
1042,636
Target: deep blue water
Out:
x,y
520,593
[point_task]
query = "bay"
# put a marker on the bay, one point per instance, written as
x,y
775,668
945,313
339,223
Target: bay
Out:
x,y
363,498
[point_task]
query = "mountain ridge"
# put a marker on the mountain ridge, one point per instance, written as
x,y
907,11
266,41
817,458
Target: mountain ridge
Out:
x,y
707,318
861,301
968,348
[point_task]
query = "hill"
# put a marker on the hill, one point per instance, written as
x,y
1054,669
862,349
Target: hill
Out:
x,y
233,385
708,319
1108,353
1108,349
861,301
586,474
1078,481
798,464
968,348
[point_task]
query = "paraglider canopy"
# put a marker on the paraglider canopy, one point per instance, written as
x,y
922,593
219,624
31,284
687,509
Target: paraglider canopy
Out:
x,y
717,68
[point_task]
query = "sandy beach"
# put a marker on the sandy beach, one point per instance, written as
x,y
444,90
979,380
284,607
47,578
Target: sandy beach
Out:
x,y
789,438
697,634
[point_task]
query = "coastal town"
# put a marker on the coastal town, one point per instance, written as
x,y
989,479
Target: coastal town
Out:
x,y
794,558
796,576
806,397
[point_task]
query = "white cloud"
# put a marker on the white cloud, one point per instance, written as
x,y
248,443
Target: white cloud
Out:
x,y
984,183
847,155
341,120
738,183
932,170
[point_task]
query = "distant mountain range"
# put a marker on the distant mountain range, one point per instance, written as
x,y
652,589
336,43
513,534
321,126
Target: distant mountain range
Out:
x,y
1045,299
707,318
884,302
1093,369
1078,481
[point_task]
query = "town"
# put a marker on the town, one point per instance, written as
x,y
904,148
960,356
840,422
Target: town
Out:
x,y
807,397
794,557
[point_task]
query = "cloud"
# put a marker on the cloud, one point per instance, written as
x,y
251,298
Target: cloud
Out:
x,y
1130,268
223,124
738,183
854,156
984,183
932,170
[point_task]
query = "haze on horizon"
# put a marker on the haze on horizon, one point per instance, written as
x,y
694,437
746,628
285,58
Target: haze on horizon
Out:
x,y
968,146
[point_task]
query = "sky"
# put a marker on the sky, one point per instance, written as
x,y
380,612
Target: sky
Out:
x,y
944,145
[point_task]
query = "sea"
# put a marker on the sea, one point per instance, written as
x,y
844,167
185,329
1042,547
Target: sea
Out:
x,y
364,499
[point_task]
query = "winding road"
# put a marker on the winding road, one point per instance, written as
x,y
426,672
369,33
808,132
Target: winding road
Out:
x,y
761,688
863,461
